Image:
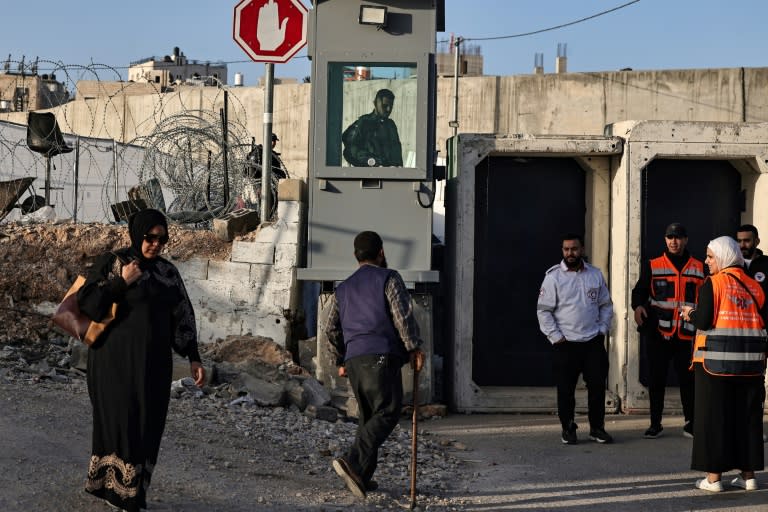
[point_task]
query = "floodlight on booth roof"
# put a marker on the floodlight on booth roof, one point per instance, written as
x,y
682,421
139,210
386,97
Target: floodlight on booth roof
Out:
x,y
373,15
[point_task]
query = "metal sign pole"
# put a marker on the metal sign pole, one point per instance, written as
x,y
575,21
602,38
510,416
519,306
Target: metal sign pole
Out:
x,y
77,175
266,156
454,123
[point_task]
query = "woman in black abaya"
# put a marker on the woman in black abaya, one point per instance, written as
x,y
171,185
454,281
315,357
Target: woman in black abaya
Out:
x,y
130,364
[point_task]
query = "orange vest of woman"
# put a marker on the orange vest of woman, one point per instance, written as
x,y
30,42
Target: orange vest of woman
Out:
x,y
736,344
671,289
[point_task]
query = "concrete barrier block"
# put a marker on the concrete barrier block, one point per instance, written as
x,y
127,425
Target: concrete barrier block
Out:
x,y
228,271
253,252
193,268
246,296
278,233
290,212
286,255
236,223
291,190
280,279
274,301
205,294
260,274
214,325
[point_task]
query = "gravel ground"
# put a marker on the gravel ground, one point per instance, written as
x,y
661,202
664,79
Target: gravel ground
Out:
x,y
215,455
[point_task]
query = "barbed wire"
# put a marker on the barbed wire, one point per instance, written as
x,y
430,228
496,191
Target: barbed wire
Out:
x,y
179,142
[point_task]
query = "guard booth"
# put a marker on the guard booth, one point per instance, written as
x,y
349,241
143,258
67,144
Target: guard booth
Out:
x,y
509,199
710,176
372,150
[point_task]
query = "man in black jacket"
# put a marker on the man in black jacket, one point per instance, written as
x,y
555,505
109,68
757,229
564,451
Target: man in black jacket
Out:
x,y
665,285
372,140
755,262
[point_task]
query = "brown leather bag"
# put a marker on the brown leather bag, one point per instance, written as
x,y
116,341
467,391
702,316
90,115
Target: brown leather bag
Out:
x,y
69,318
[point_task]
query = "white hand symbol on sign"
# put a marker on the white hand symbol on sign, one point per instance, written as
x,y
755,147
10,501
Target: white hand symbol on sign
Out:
x,y
269,31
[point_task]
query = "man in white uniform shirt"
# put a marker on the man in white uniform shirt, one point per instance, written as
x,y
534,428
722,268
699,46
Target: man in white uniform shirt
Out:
x,y
575,311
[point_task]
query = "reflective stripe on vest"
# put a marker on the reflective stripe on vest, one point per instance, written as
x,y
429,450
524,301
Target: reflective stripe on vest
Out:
x,y
737,343
665,277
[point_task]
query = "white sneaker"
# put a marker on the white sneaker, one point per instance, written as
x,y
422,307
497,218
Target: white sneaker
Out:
x,y
749,484
706,485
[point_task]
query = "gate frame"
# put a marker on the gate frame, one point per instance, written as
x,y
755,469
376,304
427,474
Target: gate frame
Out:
x,y
593,154
744,145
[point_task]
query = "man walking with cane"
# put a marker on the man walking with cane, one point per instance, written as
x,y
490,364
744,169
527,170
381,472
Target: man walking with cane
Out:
x,y
372,334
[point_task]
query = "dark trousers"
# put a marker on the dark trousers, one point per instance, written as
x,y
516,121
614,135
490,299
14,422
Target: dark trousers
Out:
x,y
660,352
378,387
590,359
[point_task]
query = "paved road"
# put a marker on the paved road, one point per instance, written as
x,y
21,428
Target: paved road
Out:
x,y
522,465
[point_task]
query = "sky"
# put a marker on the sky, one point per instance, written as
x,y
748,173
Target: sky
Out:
x,y
645,35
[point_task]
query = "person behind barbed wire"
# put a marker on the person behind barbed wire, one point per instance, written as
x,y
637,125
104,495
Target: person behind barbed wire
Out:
x,y
372,140
278,168
130,364
253,169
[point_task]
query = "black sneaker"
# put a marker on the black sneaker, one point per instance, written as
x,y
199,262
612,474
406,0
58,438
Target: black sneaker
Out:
x,y
653,432
600,435
688,430
569,434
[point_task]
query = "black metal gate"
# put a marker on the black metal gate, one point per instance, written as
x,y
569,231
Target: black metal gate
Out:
x,y
704,195
523,207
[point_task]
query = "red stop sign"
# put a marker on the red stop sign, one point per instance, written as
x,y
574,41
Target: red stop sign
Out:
x,y
270,30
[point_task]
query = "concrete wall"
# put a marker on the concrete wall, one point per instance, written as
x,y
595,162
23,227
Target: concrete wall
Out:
x,y
568,103
256,291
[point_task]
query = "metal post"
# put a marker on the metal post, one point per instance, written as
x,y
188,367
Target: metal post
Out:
x,y
225,146
77,175
454,123
266,155
47,180
114,166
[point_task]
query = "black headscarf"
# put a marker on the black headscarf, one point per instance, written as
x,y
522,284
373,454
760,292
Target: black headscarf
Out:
x,y
139,224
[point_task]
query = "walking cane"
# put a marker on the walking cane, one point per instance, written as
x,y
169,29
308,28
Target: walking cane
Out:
x,y
414,434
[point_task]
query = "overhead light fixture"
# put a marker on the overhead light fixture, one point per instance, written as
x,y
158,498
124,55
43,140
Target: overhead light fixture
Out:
x,y
373,15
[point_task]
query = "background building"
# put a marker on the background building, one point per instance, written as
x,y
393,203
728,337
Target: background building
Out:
x,y
470,59
176,69
22,89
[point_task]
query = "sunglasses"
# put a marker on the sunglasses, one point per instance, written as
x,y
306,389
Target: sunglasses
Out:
x,y
674,237
152,238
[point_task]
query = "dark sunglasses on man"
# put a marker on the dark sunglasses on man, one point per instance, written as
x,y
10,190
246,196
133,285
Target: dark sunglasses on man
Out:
x,y
152,238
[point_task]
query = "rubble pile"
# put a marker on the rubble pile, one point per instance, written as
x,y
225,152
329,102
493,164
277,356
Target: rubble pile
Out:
x,y
39,262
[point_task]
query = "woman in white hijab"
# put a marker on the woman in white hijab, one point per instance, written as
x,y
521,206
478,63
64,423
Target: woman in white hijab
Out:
x,y
729,365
